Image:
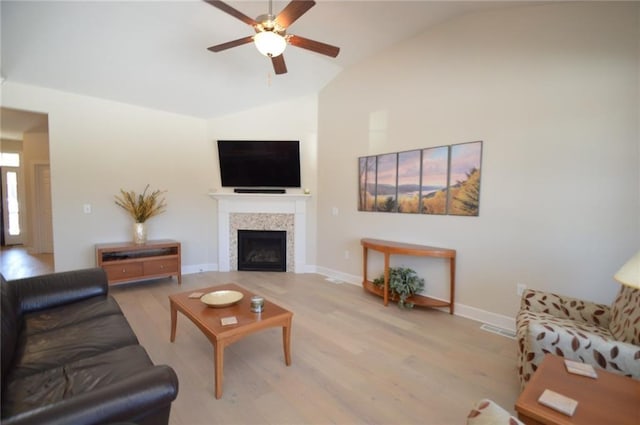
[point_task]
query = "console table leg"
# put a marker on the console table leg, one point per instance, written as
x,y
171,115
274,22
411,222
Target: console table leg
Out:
x,y
386,278
365,253
452,287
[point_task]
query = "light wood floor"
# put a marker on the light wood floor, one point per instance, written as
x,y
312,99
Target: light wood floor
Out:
x,y
353,360
16,262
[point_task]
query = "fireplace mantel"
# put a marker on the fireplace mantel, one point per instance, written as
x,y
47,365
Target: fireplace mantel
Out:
x,y
259,203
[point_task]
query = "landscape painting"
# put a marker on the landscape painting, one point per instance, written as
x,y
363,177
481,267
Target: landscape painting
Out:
x,y
386,182
464,179
409,182
367,183
435,175
439,180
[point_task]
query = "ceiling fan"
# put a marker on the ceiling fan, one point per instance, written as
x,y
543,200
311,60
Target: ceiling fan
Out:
x,y
271,38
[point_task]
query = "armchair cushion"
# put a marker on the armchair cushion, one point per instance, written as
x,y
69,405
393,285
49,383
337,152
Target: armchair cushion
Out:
x,y
625,316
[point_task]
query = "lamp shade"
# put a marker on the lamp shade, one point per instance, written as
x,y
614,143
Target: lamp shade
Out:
x,y
629,274
270,43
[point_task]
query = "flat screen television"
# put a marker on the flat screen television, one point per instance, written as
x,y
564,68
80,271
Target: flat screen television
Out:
x,y
259,163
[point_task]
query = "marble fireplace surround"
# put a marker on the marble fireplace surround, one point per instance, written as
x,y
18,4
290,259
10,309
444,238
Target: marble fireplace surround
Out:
x,y
261,212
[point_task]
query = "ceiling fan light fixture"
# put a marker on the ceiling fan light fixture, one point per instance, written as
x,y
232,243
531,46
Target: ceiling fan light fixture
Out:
x,y
269,43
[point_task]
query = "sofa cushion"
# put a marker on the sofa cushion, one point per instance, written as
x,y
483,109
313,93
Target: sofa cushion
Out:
x,y
57,347
11,323
625,316
78,377
70,314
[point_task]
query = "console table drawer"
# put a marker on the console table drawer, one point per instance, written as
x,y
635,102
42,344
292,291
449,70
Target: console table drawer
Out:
x,y
123,271
160,266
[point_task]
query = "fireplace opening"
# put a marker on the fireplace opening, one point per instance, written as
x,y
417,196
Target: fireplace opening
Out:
x,y
262,250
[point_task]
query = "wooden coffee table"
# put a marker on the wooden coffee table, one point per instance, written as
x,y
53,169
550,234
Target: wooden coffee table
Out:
x,y
608,399
207,319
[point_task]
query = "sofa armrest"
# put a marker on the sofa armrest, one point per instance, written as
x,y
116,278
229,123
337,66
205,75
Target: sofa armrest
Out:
x,y
129,400
566,307
54,289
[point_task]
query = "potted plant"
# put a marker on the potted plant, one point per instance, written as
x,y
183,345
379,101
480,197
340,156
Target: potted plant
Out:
x,y
403,283
141,208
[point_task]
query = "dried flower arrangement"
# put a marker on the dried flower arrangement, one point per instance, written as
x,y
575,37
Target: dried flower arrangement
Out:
x,y
144,206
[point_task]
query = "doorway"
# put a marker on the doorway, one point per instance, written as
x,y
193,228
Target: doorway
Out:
x,y
25,190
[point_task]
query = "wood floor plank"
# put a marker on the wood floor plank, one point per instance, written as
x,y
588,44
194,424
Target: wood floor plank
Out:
x,y
354,361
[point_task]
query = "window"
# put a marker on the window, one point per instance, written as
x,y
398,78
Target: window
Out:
x,y
8,159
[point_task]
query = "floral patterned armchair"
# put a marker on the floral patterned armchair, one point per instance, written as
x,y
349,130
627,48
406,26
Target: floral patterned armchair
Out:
x,y
604,336
487,412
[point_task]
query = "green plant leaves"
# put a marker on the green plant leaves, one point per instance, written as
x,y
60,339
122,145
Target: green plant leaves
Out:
x,y
403,283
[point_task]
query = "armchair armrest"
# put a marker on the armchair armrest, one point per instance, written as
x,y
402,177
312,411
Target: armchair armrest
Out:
x,y
54,289
144,394
577,341
566,307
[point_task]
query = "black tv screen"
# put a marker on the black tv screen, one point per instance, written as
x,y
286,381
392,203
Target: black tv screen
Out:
x,y
262,163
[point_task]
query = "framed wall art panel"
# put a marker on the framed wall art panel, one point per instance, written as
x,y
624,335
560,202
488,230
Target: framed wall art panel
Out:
x,y
464,179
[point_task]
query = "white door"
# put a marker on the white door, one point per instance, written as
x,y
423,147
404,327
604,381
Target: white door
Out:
x,y
43,241
11,205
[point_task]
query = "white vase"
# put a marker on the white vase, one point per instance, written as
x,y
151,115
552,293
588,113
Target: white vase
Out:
x,y
139,233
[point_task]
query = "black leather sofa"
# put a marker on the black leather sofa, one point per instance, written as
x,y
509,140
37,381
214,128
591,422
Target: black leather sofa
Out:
x,y
69,356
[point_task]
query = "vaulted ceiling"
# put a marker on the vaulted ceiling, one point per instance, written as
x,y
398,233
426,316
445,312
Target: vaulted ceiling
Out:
x,y
154,53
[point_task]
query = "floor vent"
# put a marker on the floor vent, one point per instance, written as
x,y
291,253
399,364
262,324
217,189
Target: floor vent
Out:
x,y
500,331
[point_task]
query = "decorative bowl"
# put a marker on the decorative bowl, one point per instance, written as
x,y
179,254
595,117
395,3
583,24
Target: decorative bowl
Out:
x,y
222,298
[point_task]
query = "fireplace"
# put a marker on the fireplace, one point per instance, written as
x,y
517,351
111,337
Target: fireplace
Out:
x,y
284,212
262,250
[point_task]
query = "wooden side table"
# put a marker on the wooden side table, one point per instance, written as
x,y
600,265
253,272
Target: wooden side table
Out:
x,y
608,399
398,248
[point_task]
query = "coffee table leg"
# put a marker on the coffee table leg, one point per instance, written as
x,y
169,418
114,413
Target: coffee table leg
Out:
x,y
219,362
174,320
286,341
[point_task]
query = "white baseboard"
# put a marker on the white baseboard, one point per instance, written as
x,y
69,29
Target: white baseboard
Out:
x,y
462,310
340,276
198,268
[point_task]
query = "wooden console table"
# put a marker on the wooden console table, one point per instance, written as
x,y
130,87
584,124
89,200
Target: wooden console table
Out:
x,y
126,261
389,248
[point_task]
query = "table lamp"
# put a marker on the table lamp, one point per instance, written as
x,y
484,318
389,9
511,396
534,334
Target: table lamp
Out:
x,y
629,273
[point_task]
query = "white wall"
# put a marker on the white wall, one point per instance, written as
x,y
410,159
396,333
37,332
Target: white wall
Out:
x,y
552,90
98,147
294,119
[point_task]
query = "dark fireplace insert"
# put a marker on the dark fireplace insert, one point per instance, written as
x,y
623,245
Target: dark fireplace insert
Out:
x,y
262,250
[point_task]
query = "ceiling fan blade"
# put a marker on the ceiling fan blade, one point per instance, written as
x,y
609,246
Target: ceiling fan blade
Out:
x,y
294,10
231,11
278,64
315,46
230,44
